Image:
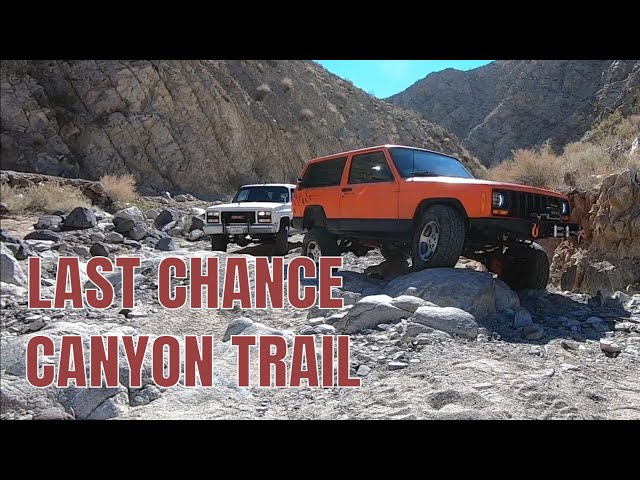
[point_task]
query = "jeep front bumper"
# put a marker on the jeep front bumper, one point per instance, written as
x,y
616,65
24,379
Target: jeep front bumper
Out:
x,y
519,228
240,229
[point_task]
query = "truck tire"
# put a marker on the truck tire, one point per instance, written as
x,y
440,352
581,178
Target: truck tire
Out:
x,y
438,238
281,244
319,242
525,267
219,243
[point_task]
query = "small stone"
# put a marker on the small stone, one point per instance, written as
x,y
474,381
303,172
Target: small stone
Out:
x,y
363,371
532,332
306,330
325,329
139,231
81,250
397,365
124,225
175,231
316,321
548,373
97,237
180,198
37,325
482,386
609,346
99,249
195,235
190,197
151,214
568,367
375,348
114,237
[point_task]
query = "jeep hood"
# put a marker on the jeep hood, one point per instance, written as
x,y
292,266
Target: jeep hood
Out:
x,y
238,206
477,181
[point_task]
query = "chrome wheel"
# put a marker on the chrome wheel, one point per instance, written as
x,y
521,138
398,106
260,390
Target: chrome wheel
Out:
x,y
313,251
428,240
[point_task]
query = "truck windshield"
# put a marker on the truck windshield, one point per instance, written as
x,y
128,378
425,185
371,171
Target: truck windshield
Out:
x,y
420,163
262,194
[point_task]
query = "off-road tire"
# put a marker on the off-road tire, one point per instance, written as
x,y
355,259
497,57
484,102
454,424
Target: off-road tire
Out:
x,y
391,252
525,267
281,244
324,240
451,235
219,243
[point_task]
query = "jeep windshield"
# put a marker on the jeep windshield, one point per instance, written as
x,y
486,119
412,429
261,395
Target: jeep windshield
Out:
x,y
262,194
421,163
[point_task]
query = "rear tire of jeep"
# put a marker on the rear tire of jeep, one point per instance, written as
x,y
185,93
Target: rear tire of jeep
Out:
x,y
526,268
319,242
438,238
219,243
281,245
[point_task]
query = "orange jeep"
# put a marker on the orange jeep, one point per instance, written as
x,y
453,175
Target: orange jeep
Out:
x,y
426,205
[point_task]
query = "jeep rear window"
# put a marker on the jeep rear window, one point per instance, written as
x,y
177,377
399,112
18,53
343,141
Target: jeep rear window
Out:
x,y
324,174
411,162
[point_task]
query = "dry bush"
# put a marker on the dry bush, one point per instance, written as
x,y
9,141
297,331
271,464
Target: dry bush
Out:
x,y
306,114
287,83
581,165
42,198
121,188
262,91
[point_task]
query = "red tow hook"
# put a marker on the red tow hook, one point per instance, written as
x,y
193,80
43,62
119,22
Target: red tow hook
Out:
x,y
535,230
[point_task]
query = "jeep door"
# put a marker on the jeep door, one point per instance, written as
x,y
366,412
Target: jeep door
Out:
x,y
321,188
369,195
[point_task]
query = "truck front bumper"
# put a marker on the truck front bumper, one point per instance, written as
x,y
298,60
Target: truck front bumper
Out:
x,y
520,228
242,229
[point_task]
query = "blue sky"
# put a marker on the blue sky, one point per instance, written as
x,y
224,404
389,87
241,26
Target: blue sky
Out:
x,y
384,78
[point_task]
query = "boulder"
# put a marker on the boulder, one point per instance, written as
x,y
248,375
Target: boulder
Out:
x,y
195,235
474,292
197,223
48,221
99,249
180,198
124,225
139,231
369,312
114,237
447,319
152,214
80,218
131,213
165,217
10,270
43,235
166,244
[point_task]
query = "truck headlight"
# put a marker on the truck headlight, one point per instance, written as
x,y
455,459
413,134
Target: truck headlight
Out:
x,y
564,208
499,199
264,216
213,216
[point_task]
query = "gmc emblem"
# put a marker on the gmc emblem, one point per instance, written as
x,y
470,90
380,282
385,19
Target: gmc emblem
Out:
x,y
237,217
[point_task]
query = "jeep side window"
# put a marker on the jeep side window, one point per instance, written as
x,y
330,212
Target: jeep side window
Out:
x,y
370,168
324,174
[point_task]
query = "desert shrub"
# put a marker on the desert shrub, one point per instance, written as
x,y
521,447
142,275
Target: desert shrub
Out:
x,y
287,83
306,114
262,91
605,150
43,197
121,188
323,122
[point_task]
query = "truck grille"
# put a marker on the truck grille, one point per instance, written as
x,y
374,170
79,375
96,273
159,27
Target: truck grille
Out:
x,y
238,217
527,205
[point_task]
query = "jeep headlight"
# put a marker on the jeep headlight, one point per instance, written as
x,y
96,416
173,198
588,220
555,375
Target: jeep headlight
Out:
x,y
264,216
500,200
213,216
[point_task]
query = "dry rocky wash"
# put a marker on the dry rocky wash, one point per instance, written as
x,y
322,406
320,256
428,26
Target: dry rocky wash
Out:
x,y
198,126
422,348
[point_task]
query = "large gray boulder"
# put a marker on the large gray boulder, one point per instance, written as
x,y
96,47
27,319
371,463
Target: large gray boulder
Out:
x,y
80,218
448,319
167,216
474,292
10,269
370,312
131,213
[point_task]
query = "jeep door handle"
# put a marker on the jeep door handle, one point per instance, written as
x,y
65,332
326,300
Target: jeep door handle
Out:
x,y
348,189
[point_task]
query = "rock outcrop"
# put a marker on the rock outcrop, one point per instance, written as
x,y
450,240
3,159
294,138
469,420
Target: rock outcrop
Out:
x,y
513,104
198,126
608,259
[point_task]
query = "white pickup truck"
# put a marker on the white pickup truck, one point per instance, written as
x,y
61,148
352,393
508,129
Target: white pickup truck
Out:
x,y
257,213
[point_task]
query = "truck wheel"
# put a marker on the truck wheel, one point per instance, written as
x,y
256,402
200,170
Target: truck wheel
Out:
x,y
438,238
525,267
219,243
318,242
391,252
281,245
